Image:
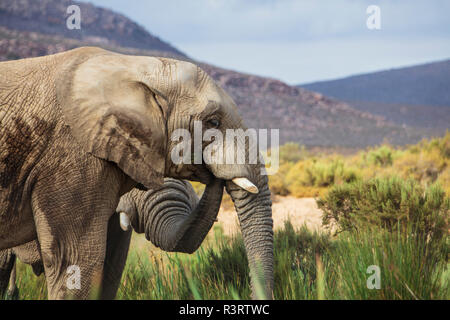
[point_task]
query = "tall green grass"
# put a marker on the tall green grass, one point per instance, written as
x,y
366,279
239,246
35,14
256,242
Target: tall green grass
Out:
x,y
308,265
396,225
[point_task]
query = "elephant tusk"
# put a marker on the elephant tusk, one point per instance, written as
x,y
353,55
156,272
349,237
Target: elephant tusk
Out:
x,y
245,184
124,221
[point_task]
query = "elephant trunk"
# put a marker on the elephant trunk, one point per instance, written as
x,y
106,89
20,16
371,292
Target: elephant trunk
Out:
x,y
173,218
255,217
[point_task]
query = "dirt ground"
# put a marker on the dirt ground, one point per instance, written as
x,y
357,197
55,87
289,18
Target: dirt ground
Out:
x,y
299,210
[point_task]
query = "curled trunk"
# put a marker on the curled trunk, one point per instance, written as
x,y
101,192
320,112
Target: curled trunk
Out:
x,y
172,217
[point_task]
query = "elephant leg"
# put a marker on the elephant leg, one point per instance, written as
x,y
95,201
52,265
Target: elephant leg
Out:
x,y
73,261
13,291
72,238
117,246
7,262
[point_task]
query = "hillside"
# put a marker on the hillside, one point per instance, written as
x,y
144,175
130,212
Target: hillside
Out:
x,y
431,117
301,115
427,84
98,25
306,117
417,96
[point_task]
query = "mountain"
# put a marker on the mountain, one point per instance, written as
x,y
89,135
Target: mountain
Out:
x,y
430,117
306,117
97,24
301,115
427,84
415,96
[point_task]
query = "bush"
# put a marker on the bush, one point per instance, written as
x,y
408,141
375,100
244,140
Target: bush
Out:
x,y
442,145
292,152
389,203
277,182
383,156
423,167
320,173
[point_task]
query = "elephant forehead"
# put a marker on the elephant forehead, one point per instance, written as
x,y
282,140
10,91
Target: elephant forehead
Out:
x,y
178,73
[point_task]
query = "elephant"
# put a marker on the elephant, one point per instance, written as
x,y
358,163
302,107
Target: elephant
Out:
x,y
81,128
28,253
175,205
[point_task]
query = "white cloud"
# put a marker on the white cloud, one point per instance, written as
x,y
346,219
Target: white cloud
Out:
x,y
311,61
297,40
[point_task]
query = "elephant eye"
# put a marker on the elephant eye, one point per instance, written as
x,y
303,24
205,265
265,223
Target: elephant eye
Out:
x,y
214,123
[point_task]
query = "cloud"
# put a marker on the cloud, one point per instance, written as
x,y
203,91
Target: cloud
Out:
x,y
269,36
304,62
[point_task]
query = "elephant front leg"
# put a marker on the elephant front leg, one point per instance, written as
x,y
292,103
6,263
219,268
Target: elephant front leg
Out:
x,y
116,256
73,261
73,246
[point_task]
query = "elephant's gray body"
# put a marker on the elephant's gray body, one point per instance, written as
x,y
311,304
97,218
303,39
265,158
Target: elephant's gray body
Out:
x,y
80,129
41,172
173,206
28,253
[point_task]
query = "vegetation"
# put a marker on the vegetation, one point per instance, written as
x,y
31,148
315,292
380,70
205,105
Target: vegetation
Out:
x,y
383,207
307,174
308,265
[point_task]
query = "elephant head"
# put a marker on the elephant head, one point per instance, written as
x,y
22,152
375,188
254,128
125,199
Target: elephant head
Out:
x,y
127,109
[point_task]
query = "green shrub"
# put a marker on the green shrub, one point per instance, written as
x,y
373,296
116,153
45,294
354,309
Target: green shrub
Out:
x,y
292,152
389,203
440,144
321,173
383,156
277,182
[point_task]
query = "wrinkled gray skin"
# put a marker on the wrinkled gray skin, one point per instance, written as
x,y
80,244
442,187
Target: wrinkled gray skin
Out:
x,y
172,218
75,122
28,253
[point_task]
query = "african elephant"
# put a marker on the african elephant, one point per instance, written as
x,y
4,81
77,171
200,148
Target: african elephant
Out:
x,y
28,253
156,213
75,122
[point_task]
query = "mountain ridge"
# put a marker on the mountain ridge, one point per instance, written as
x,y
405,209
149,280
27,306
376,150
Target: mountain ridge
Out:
x,y
302,116
98,24
423,84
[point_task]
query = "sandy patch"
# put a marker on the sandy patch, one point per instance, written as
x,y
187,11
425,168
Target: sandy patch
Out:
x,y
299,210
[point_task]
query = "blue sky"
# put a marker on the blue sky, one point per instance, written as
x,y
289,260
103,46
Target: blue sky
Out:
x,y
297,41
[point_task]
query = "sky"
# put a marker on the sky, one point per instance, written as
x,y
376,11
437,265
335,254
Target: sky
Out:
x,y
297,41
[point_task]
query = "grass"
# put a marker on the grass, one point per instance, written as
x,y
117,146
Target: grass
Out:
x,y
378,198
308,265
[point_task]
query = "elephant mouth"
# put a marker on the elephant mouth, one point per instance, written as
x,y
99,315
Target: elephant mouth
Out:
x,y
205,175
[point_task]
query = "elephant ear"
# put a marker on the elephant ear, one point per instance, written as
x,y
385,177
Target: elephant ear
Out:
x,y
115,114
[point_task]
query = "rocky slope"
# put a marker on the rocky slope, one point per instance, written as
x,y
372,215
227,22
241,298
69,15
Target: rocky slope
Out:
x,y
304,116
97,24
301,115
